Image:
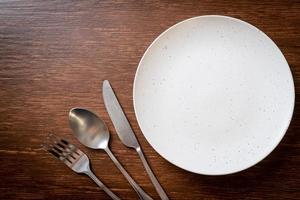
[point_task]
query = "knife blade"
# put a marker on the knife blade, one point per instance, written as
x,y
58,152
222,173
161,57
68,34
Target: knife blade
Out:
x,y
118,117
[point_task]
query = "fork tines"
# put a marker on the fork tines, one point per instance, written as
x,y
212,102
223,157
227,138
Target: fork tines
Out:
x,y
62,149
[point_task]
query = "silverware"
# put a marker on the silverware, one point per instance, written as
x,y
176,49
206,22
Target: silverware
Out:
x,y
74,159
91,131
125,132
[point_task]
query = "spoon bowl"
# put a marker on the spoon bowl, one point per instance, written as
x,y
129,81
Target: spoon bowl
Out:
x,y
89,129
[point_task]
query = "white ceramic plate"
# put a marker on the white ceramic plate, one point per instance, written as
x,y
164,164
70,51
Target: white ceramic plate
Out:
x,y
213,95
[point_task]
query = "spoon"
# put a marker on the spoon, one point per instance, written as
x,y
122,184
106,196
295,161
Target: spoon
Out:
x,y
92,132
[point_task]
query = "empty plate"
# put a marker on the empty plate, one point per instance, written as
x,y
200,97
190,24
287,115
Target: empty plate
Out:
x,y
213,95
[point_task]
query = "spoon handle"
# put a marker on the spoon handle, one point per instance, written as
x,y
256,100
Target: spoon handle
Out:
x,y
142,195
155,182
101,185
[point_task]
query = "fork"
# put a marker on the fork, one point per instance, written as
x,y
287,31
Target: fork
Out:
x,y
74,158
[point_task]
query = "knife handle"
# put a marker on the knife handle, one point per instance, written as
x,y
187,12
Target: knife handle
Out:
x,y
142,194
155,182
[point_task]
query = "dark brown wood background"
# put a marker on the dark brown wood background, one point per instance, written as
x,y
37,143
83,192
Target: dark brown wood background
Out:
x,y
54,55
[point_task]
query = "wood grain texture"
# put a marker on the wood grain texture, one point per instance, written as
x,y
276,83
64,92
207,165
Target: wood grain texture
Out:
x,y
54,55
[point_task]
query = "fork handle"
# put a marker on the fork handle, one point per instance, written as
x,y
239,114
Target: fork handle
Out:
x,y
101,185
141,193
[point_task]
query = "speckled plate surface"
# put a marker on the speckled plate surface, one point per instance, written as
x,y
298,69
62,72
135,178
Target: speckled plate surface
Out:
x,y
213,95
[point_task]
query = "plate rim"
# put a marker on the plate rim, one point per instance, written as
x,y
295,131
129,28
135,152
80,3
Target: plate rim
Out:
x,y
292,92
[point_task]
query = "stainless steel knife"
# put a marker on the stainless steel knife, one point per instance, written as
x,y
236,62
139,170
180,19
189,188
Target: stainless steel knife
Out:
x,y
126,133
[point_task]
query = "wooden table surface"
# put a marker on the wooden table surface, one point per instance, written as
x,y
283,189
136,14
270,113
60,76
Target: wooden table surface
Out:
x,y
54,55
